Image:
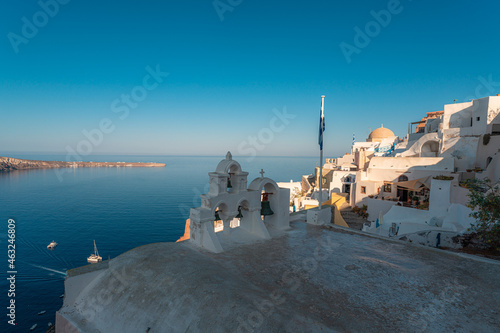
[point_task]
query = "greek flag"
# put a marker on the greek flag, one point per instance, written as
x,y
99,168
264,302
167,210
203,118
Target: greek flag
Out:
x,y
353,139
321,128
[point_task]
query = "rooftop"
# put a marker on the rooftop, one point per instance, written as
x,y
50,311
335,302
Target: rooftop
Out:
x,y
308,279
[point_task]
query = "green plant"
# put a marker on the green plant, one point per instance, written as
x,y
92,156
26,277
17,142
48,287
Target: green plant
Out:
x,y
411,195
484,199
442,177
361,211
423,206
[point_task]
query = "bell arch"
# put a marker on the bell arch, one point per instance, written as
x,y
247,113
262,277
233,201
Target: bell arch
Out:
x,y
227,165
234,179
278,201
259,183
220,213
244,213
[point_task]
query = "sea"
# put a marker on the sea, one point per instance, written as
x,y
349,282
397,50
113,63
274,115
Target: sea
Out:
x,y
118,208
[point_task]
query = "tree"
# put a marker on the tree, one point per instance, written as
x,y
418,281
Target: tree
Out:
x,y
484,199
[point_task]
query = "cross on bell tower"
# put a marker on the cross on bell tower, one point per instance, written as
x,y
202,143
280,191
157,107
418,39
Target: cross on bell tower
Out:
x,y
261,173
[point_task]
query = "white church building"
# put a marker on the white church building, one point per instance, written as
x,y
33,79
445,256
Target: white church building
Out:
x,y
233,212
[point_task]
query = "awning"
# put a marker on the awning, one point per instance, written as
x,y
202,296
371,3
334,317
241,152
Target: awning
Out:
x,y
415,184
349,165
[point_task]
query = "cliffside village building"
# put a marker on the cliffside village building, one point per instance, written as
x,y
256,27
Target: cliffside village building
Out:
x,y
413,184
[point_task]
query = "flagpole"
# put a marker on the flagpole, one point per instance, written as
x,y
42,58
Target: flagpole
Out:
x,y
321,154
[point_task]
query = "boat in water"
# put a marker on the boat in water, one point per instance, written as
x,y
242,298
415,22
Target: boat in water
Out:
x,y
41,312
52,245
33,327
94,258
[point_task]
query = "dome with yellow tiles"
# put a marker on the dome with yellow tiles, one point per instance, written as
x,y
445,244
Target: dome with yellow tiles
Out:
x,y
380,134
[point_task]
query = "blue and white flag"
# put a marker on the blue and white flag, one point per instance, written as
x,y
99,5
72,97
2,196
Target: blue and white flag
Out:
x,y
353,139
321,128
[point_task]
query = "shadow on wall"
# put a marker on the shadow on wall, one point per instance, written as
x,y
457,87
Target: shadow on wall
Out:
x,y
462,118
463,150
430,149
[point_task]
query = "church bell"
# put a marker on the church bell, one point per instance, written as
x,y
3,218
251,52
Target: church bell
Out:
x,y
229,184
266,208
217,217
239,216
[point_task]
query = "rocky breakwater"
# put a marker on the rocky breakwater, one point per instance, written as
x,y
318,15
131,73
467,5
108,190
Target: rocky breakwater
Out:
x,y
10,164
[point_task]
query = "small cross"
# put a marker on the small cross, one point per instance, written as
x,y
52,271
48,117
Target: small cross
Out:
x,y
261,173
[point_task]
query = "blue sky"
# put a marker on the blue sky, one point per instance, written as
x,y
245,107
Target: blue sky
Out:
x,y
229,68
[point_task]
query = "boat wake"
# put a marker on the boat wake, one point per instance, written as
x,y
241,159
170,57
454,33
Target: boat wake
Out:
x,y
48,269
45,252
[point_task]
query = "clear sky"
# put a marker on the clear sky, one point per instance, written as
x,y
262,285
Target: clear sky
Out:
x,y
82,66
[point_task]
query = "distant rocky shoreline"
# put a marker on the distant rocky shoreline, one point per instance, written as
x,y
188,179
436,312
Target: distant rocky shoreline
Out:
x,y
10,164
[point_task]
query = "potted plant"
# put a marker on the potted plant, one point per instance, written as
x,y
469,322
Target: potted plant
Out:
x,y
443,177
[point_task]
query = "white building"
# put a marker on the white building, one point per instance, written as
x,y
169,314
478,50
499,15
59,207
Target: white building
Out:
x,y
467,132
449,146
395,177
295,192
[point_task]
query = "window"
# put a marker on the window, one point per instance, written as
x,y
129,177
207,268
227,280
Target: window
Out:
x,y
387,187
402,178
478,118
363,189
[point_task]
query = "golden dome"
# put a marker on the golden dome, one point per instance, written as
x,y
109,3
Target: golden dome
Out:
x,y
380,133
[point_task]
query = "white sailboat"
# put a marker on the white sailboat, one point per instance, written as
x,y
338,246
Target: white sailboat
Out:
x,y
94,258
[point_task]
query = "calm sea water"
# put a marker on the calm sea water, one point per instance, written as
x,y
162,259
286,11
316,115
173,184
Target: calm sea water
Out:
x,y
119,208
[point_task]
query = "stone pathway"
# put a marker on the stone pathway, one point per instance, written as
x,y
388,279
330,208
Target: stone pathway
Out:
x,y
352,219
